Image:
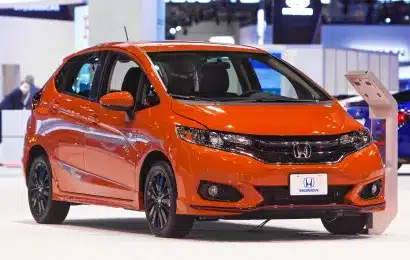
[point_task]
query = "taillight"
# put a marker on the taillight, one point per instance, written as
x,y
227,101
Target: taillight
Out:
x,y
402,118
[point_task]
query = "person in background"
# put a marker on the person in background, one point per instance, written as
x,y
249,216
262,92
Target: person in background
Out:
x,y
20,98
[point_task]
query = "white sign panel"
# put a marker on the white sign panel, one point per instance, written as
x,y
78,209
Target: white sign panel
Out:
x,y
81,27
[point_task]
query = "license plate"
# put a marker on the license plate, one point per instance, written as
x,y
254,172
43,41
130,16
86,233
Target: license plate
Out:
x,y
308,184
361,121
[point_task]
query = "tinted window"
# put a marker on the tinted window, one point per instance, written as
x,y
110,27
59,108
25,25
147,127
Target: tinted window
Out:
x,y
78,76
124,74
149,96
120,69
233,76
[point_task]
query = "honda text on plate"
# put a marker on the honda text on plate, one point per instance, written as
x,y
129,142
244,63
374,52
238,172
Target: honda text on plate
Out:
x,y
191,131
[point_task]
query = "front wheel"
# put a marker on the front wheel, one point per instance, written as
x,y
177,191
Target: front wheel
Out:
x,y
43,209
160,195
346,225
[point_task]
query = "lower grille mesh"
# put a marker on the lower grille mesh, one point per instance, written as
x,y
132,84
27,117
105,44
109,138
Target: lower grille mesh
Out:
x,y
280,195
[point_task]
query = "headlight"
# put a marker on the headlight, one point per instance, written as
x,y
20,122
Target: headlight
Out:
x,y
217,140
358,139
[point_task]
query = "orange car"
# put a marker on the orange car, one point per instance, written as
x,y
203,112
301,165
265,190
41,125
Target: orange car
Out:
x,y
194,131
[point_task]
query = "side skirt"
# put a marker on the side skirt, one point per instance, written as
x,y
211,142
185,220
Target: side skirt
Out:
x,y
94,200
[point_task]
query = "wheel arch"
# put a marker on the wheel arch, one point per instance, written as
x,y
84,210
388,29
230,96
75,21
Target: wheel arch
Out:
x,y
149,160
35,151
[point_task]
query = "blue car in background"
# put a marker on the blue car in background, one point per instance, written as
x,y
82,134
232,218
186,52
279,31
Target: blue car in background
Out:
x,y
360,111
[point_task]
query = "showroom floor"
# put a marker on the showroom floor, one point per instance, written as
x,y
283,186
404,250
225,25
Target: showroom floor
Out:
x,y
104,233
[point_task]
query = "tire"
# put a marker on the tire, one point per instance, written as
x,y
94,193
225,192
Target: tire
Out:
x,y
347,225
40,189
160,195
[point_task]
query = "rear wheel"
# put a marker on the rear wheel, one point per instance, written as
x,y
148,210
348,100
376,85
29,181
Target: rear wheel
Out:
x,y
160,196
43,209
346,225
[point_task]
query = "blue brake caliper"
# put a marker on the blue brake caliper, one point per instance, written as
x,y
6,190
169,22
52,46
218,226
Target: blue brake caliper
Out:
x,y
160,180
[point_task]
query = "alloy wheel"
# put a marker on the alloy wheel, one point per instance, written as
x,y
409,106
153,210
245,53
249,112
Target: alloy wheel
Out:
x,y
159,194
39,186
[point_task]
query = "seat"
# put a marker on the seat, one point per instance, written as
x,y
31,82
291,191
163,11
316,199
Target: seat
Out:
x,y
179,80
214,81
181,85
131,80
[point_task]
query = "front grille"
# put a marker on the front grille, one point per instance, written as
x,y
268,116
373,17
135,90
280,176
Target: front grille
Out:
x,y
280,195
281,150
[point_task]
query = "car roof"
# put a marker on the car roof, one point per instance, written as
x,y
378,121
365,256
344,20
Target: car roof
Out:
x,y
172,46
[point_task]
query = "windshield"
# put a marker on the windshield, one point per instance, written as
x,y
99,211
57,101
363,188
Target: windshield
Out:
x,y
233,76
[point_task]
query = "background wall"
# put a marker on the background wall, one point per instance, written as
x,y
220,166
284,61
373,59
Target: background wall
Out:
x,y
107,18
394,38
38,46
205,30
248,35
338,61
327,66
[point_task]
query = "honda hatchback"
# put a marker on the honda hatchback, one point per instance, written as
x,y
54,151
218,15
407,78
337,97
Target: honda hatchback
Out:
x,y
187,131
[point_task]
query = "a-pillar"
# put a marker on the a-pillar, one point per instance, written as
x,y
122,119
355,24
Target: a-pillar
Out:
x,y
144,20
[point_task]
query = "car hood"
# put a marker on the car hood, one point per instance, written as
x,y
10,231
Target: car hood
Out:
x,y
269,118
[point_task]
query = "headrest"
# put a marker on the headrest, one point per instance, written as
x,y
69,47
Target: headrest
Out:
x,y
214,79
180,84
131,80
178,79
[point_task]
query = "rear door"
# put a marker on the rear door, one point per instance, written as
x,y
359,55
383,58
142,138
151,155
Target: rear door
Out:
x,y
77,86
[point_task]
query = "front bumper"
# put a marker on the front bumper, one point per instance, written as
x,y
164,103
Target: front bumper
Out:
x,y
292,211
193,164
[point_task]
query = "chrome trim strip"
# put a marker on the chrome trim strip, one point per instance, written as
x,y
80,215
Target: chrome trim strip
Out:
x,y
78,175
239,103
342,157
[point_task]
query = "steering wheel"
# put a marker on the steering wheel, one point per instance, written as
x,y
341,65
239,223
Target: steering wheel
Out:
x,y
249,92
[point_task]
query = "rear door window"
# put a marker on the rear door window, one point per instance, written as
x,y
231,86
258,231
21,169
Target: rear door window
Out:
x,y
80,76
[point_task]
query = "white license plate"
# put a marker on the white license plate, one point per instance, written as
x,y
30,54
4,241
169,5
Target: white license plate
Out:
x,y
361,121
308,184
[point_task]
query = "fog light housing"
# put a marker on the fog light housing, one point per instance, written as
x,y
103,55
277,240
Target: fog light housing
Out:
x,y
375,189
213,191
372,190
218,192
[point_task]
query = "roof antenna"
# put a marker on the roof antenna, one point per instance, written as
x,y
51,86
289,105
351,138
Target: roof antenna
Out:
x,y
126,33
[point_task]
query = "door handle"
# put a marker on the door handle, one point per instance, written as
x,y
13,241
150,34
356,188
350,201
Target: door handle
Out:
x,y
53,107
93,120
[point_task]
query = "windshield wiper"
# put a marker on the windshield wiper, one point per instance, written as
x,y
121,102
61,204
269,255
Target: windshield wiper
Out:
x,y
274,100
192,98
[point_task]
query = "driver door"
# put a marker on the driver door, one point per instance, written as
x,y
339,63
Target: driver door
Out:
x,y
109,153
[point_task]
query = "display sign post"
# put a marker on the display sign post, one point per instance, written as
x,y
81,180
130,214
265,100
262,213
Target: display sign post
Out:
x,y
382,106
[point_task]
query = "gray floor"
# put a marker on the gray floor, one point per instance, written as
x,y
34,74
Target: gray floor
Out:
x,y
104,233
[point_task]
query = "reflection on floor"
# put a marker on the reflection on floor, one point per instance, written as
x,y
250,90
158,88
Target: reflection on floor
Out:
x,y
104,233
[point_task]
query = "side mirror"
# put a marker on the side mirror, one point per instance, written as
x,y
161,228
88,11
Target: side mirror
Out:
x,y
120,101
